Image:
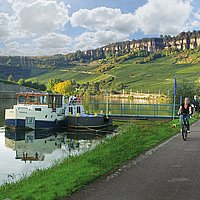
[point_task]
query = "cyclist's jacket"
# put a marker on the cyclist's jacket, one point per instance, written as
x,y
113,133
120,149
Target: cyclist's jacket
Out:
x,y
185,111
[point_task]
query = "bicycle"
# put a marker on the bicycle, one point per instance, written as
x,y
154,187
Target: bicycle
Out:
x,y
184,129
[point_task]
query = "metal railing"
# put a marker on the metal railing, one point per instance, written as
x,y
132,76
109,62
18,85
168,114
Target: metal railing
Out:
x,y
132,109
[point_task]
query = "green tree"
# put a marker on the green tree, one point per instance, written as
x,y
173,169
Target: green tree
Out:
x,y
185,89
21,81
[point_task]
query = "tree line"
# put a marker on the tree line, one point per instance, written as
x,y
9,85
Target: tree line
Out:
x,y
71,87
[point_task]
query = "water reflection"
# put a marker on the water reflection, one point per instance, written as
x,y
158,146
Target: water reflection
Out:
x,y
23,152
5,103
34,145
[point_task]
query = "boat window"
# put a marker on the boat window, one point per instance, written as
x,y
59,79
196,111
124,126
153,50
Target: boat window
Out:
x,y
71,110
55,101
50,102
78,109
32,99
58,101
38,109
42,99
22,108
21,99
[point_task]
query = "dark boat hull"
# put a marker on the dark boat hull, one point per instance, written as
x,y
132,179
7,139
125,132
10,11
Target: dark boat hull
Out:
x,y
88,121
37,124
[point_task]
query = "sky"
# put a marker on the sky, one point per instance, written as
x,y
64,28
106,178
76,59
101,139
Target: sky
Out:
x,y
49,27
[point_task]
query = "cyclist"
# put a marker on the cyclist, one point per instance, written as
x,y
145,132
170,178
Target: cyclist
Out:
x,y
195,105
185,110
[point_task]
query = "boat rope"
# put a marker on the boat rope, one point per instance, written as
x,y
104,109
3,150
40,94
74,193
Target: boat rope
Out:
x,y
95,130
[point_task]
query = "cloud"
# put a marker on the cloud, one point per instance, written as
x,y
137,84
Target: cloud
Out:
x,y
53,40
15,48
164,17
33,27
194,22
39,27
197,15
29,49
103,18
91,40
4,25
40,16
153,18
5,6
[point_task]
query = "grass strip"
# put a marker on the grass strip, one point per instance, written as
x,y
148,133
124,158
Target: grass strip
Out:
x,y
73,173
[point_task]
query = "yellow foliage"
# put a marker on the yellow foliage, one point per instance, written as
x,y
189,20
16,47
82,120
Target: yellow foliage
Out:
x,y
64,88
173,125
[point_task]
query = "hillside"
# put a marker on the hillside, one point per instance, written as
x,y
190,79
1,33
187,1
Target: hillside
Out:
x,y
150,73
27,66
146,65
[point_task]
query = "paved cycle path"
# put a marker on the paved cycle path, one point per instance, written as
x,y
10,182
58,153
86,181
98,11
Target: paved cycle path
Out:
x,y
168,172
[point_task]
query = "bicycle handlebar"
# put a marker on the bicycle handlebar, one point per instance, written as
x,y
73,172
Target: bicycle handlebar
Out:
x,y
190,114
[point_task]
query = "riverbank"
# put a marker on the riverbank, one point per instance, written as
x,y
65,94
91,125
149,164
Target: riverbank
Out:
x,y
64,178
142,96
8,90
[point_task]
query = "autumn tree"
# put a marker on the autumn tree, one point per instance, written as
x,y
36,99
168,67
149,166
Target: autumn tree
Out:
x,y
65,88
51,84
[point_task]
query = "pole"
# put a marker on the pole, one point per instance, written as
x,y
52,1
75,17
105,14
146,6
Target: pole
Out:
x,y
106,103
174,96
174,106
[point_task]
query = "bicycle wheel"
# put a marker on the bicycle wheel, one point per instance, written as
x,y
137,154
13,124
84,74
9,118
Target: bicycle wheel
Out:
x,y
184,133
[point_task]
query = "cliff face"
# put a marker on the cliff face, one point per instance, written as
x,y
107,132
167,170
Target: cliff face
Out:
x,y
185,40
151,45
183,43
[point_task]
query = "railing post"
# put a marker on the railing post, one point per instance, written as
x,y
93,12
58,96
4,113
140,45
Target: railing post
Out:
x,y
136,108
108,108
172,107
92,108
156,109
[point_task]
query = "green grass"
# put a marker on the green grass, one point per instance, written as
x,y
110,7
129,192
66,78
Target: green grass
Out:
x,y
65,75
190,70
145,76
63,179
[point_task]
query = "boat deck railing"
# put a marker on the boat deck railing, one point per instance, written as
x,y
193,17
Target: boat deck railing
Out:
x,y
75,102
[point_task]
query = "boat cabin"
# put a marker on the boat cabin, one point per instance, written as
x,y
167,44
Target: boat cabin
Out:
x,y
74,107
52,100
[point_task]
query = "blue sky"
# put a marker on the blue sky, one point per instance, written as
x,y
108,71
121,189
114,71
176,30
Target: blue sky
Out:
x,y
47,27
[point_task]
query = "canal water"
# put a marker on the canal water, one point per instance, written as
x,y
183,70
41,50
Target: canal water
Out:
x,y
23,152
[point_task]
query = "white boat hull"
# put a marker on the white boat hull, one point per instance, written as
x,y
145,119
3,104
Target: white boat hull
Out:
x,y
25,117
